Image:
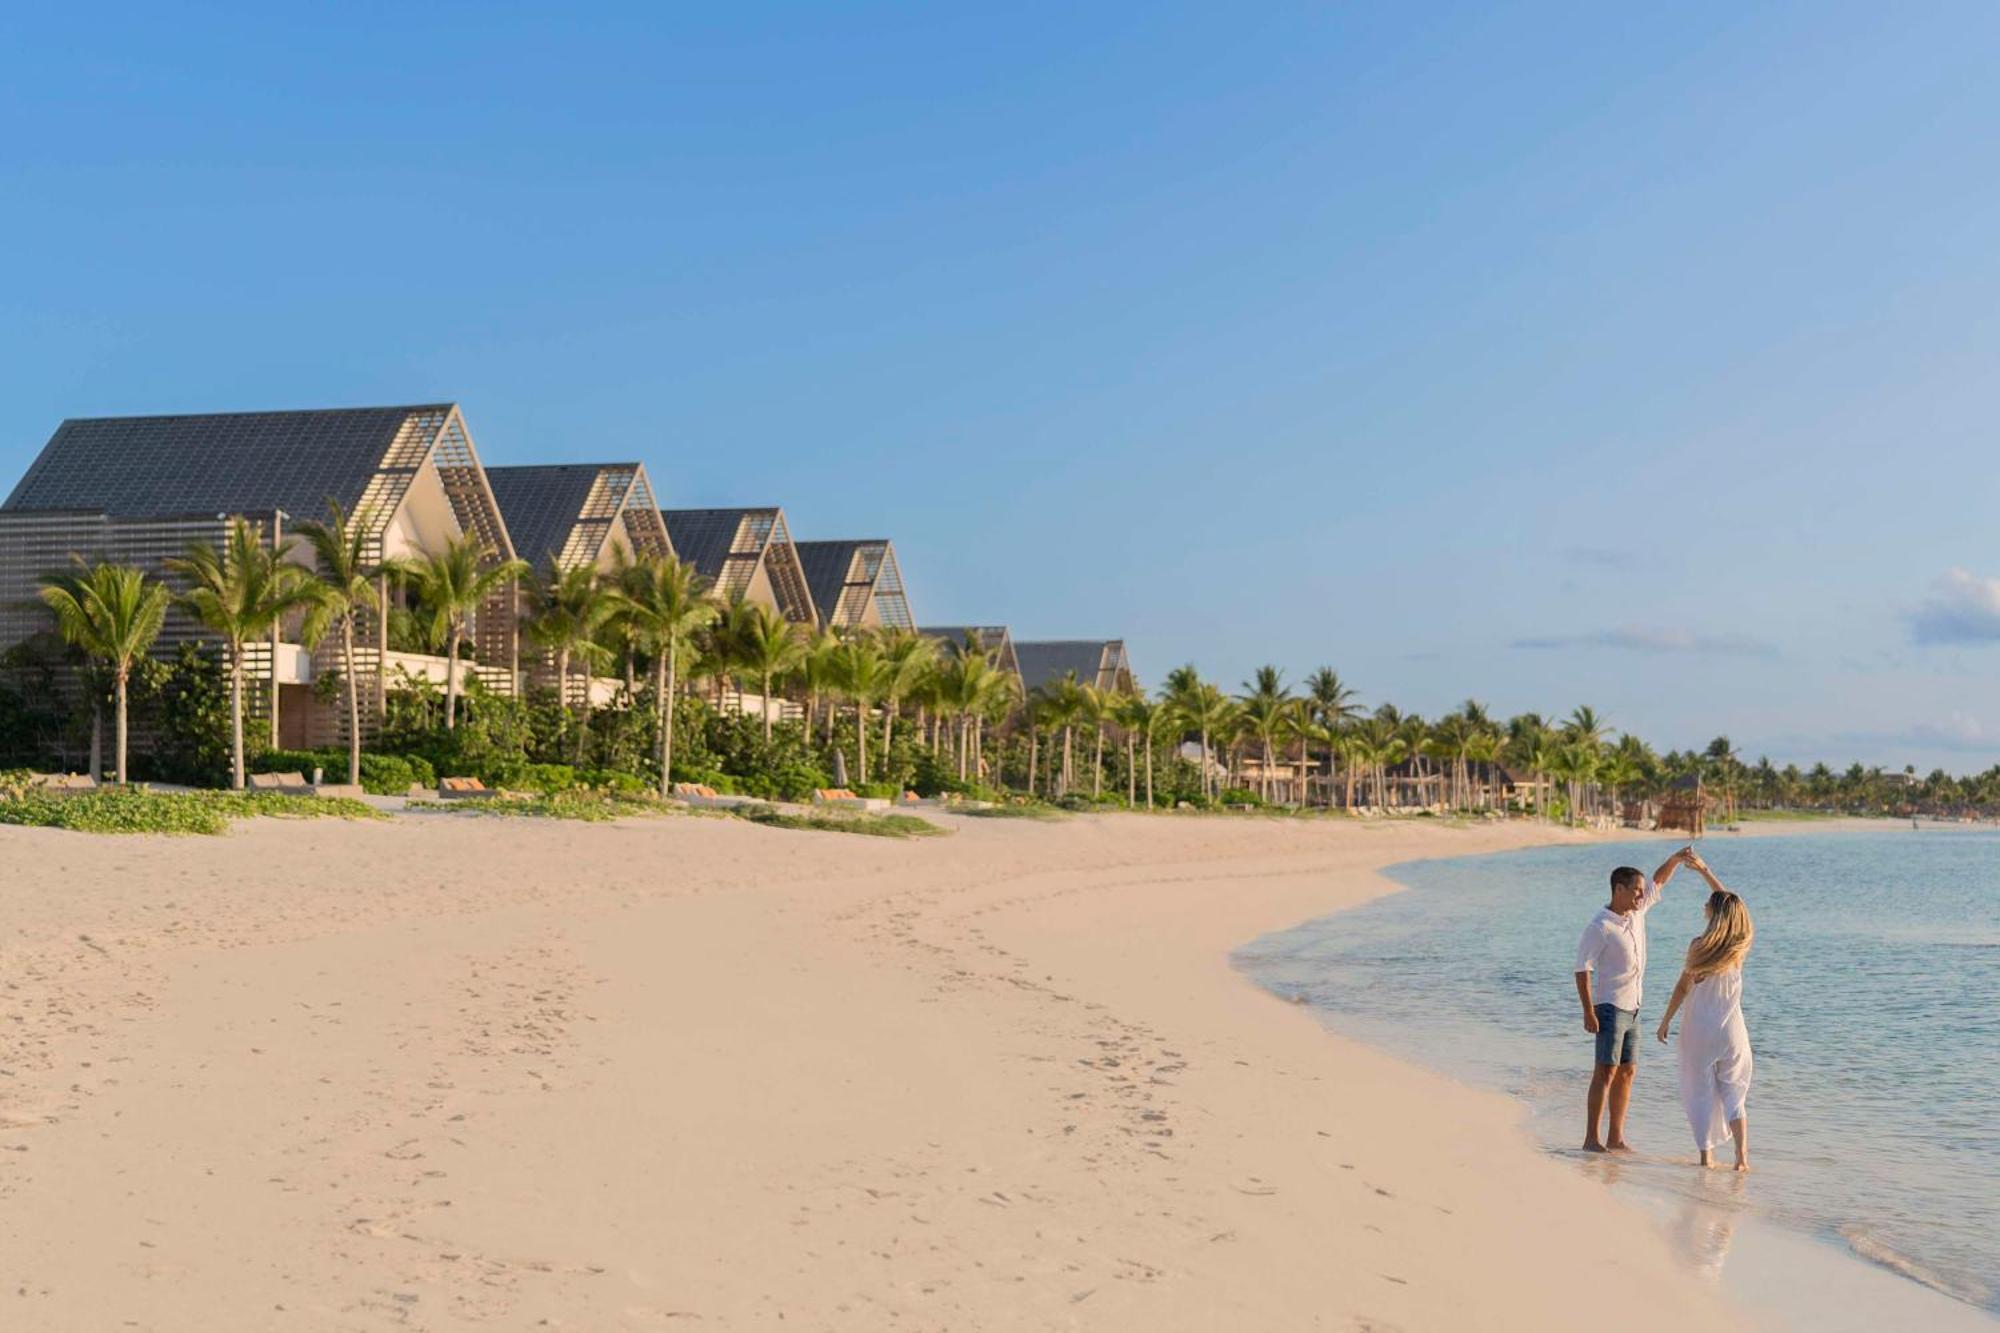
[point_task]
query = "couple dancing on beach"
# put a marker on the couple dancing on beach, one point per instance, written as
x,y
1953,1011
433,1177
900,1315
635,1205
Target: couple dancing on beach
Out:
x,y
1715,1046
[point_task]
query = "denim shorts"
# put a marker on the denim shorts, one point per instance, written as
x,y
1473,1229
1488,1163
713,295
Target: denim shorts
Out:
x,y
1617,1035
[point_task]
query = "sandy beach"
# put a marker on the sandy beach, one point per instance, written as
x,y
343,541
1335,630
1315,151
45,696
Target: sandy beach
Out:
x,y
461,1072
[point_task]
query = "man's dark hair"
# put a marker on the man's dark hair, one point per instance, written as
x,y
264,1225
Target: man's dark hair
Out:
x,y
1626,877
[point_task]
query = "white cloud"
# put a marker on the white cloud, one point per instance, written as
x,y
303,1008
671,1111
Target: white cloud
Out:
x,y
1962,607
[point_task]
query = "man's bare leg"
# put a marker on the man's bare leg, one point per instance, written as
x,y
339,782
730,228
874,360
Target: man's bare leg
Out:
x,y
1600,1078
1620,1097
1739,1129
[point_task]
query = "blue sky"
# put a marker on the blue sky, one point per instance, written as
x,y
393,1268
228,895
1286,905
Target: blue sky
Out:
x,y
1543,354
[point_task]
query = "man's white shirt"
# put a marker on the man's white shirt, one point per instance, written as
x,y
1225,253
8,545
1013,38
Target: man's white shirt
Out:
x,y
1613,951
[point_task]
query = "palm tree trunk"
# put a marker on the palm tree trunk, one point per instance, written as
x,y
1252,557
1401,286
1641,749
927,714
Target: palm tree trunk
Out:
x,y
888,728
451,676
96,737
1034,744
1131,768
236,716
861,740
1097,776
663,678
124,673
353,700
767,708
1149,770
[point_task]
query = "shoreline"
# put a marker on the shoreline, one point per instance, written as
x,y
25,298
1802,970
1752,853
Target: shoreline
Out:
x,y
475,1074
1784,1276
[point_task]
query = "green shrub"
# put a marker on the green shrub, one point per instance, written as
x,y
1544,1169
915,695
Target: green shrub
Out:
x,y
135,810
879,826
582,803
381,774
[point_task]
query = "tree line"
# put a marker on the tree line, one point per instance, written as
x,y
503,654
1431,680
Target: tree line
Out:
x,y
654,621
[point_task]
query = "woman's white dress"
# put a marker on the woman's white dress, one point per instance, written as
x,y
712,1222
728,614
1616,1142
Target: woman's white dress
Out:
x,y
1715,1057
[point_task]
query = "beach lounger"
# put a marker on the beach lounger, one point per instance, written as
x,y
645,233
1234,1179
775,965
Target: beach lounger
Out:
x,y
842,798
703,796
459,789
279,782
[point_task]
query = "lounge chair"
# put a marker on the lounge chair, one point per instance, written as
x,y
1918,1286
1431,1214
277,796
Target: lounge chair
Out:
x,y
293,782
460,789
703,796
842,798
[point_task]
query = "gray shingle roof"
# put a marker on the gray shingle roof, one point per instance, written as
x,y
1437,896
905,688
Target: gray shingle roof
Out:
x,y
703,537
542,505
235,462
1047,661
826,565
879,579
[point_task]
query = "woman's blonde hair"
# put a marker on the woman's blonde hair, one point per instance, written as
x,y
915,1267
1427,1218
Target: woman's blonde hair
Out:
x,y
1726,941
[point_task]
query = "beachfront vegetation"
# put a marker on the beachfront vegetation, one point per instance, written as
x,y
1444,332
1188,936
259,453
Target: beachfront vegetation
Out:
x,y
136,810
730,695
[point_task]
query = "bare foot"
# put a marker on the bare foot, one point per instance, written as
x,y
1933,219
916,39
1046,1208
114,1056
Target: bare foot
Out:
x,y
1742,1164
1705,1159
1618,1145
1593,1146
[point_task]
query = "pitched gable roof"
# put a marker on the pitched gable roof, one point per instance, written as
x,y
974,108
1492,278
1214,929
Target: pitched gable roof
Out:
x,y
728,547
847,577
363,458
234,462
1099,662
565,511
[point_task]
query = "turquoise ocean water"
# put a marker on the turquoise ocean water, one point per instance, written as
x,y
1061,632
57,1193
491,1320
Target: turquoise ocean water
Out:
x,y
1872,998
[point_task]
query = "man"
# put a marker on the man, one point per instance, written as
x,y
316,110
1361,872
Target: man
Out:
x,y
1613,950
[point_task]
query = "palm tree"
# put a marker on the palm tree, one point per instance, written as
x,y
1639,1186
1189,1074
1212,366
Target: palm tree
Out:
x,y
817,677
240,594
111,614
346,577
1267,705
1333,705
662,602
566,610
906,657
1098,708
1063,707
1138,715
1198,705
770,648
862,675
451,585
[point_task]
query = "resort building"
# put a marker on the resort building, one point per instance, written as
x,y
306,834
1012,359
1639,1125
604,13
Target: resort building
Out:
x,y
856,584
138,490
745,553
993,640
579,515
1099,662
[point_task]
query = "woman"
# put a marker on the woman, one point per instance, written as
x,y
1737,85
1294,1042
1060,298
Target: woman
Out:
x,y
1715,1046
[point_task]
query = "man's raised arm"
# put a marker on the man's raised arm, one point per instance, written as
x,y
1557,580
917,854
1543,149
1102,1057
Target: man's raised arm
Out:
x,y
1685,856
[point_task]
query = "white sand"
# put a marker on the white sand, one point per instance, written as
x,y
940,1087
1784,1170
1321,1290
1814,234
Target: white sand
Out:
x,y
460,1072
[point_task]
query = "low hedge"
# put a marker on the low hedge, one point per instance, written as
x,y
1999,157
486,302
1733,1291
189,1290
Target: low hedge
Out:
x,y
381,774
